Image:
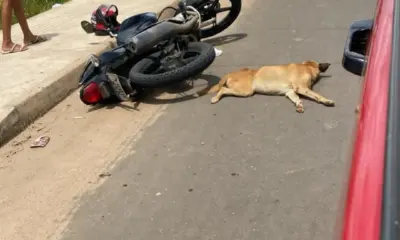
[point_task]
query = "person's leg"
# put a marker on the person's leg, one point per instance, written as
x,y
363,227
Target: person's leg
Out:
x,y
20,14
29,37
6,23
6,16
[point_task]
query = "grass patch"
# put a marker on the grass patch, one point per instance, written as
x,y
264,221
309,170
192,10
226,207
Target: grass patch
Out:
x,y
34,7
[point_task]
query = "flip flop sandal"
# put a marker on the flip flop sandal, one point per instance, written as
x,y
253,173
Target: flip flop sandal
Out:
x,y
14,49
87,27
38,39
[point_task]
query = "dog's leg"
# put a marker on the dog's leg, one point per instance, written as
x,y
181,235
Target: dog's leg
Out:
x,y
227,91
296,100
315,96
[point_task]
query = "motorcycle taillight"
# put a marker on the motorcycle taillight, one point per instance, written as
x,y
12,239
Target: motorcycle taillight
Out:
x,y
91,94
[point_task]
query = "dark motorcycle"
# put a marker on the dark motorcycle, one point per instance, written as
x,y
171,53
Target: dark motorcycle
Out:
x,y
105,17
161,53
161,50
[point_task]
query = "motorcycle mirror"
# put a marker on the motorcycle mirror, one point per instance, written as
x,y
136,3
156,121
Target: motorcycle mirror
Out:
x,y
94,60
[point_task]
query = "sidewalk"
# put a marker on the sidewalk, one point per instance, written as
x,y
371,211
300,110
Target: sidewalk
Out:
x,y
34,81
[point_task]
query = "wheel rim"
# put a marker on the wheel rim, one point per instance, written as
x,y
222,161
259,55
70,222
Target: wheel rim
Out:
x,y
161,65
217,10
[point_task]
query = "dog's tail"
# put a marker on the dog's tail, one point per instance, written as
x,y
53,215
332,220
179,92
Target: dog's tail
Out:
x,y
214,88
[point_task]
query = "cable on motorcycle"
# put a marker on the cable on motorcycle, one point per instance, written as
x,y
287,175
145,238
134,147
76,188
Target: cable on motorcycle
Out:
x,y
166,8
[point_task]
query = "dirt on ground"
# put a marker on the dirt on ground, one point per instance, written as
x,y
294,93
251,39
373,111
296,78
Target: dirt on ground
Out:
x,y
40,187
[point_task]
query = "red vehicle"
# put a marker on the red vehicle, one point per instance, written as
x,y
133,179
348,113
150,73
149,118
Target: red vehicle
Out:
x,y
372,203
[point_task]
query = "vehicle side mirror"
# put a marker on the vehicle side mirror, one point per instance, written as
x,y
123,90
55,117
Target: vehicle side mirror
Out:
x,y
355,51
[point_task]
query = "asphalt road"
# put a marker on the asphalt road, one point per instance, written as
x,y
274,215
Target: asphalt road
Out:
x,y
243,168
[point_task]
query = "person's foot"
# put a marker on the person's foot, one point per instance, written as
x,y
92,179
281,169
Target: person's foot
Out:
x,y
34,39
13,48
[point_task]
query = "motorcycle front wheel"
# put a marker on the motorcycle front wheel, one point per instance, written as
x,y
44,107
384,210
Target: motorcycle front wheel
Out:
x,y
149,72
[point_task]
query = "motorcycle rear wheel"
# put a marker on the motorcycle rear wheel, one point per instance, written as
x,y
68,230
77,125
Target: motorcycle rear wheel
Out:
x,y
144,73
236,7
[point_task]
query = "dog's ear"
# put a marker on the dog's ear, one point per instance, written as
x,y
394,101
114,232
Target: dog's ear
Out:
x,y
323,66
310,63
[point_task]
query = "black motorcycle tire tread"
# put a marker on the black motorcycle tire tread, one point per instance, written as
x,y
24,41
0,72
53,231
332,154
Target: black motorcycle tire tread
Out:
x,y
233,15
197,66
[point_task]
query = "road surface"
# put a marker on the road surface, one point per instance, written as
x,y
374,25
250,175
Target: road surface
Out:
x,y
249,168
243,168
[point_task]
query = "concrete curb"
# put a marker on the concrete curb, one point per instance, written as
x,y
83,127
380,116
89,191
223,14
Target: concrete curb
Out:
x,y
15,119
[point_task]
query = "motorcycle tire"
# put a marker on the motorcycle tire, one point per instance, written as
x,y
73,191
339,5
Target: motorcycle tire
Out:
x,y
139,76
236,6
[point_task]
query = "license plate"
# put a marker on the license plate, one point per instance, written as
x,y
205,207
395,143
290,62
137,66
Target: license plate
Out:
x,y
117,87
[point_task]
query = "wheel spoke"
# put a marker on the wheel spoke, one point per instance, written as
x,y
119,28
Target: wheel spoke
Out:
x,y
225,9
188,60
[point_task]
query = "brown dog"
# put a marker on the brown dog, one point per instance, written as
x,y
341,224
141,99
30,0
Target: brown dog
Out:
x,y
290,80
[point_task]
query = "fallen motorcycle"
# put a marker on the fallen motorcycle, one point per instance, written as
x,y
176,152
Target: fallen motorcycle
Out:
x,y
150,53
104,18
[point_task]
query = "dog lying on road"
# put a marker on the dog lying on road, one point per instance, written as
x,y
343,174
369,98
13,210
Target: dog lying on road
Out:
x,y
290,80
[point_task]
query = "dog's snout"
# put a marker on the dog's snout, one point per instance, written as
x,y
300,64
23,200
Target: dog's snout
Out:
x,y
323,66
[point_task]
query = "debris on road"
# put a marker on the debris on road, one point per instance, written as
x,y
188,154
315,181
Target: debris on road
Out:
x,y
218,52
103,175
56,5
41,141
158,194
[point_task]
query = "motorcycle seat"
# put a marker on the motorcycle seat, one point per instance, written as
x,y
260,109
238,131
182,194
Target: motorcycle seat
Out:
x,y
133,25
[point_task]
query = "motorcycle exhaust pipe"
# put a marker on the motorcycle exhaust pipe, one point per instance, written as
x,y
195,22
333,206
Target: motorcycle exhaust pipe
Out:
x,y
208,22
147,39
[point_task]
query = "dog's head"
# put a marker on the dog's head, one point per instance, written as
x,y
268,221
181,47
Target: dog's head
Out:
x,y
322,67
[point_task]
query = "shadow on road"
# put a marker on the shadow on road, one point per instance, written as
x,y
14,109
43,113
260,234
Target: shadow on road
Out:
x,y
116,104
182,91
49,36
176,93
226,39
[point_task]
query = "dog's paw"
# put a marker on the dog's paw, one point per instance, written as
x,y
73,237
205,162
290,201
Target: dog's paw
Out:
x,y
299,108
329,103
214,100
